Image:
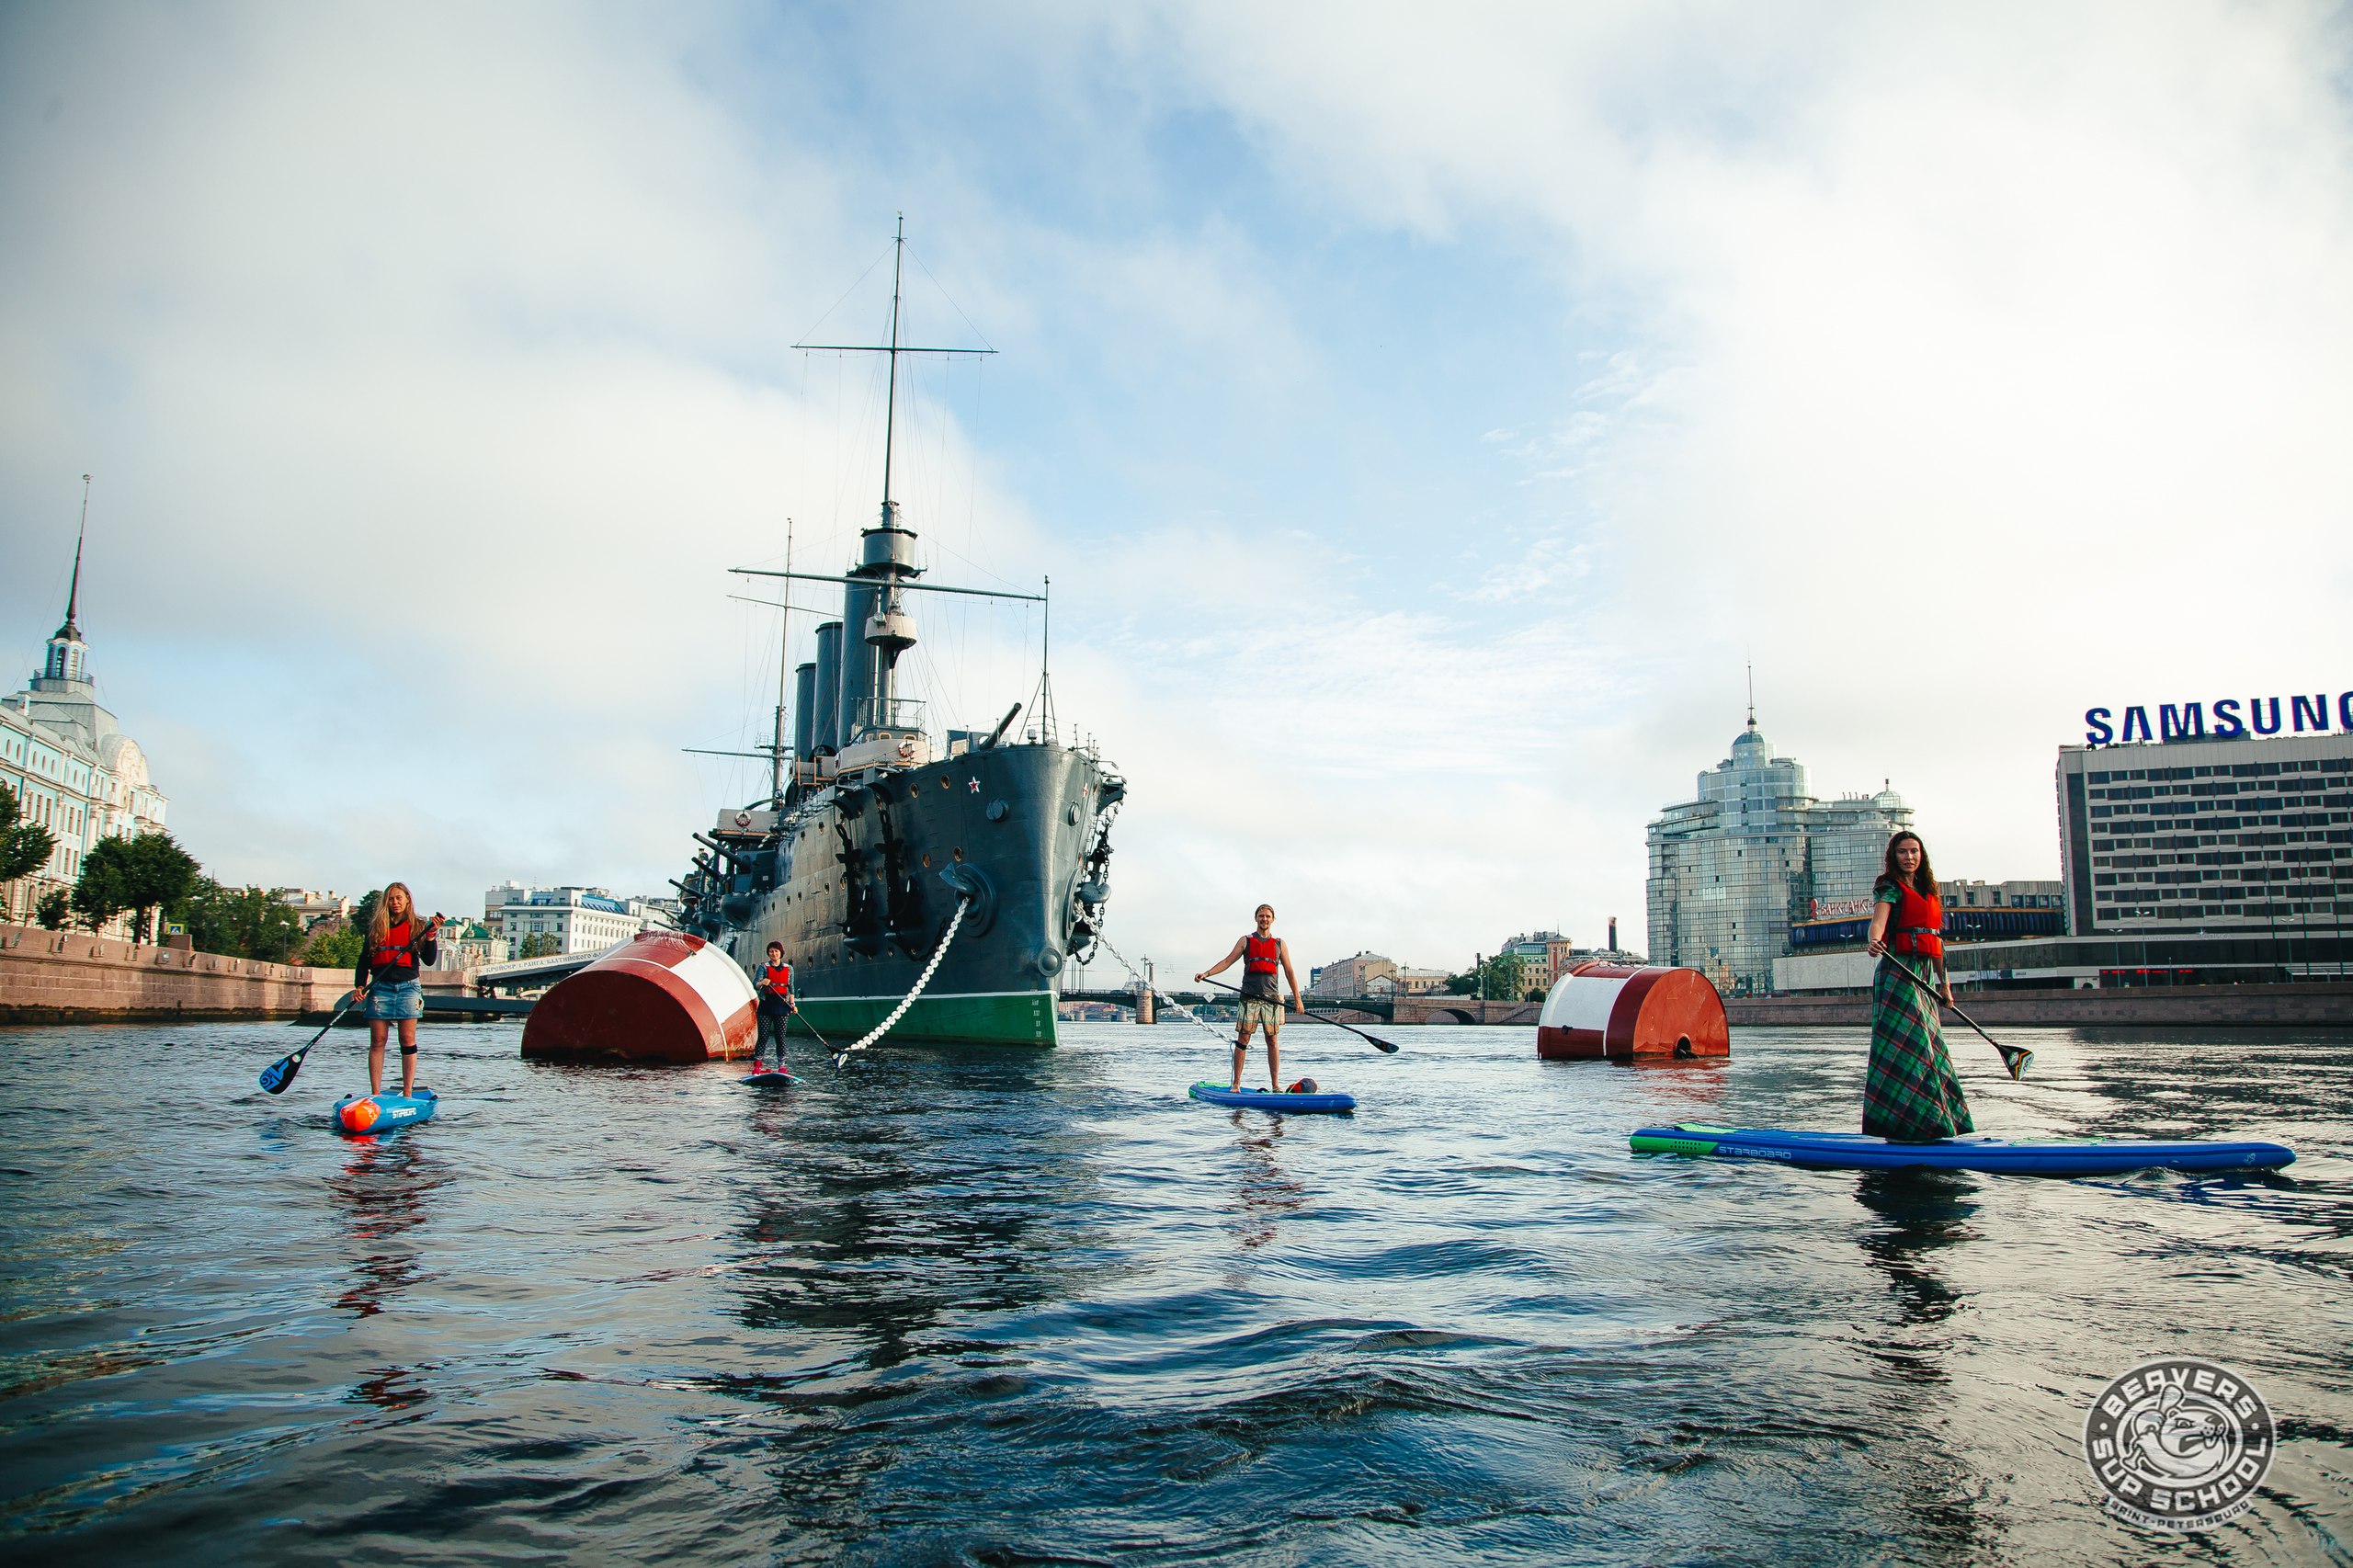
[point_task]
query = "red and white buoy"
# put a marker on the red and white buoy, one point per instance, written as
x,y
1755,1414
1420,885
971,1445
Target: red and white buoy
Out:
x,y
1629,1011
661,996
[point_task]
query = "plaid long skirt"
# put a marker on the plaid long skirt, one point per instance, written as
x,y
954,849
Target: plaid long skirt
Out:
x,y
1910,1093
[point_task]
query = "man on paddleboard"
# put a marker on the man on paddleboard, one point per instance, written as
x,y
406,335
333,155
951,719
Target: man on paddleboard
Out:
x,y
774,983
1262,955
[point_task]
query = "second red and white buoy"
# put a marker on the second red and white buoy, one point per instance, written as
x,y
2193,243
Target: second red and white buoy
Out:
x,y
1628,1011
661,996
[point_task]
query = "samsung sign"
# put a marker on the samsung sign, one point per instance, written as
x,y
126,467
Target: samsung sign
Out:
x,y
2221,720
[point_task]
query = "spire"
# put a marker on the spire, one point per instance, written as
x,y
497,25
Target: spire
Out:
x,y
69,632
1751,697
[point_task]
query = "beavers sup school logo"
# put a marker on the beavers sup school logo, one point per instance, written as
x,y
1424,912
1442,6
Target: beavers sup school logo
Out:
x,y
2180,1443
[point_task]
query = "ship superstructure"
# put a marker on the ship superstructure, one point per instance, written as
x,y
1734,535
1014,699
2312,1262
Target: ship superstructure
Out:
x,y
875,832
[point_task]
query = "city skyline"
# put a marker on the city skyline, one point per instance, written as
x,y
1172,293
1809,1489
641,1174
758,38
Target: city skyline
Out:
x,y
1472,440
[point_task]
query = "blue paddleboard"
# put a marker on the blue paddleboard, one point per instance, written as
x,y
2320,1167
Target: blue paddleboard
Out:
x,y
387,1112
770,1080
1266,1099
1975,1152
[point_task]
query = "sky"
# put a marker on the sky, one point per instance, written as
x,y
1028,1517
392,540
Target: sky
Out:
x,y
1427,416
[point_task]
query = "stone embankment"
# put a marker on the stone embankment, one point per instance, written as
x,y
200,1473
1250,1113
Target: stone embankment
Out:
x,y
49,977
2296,1004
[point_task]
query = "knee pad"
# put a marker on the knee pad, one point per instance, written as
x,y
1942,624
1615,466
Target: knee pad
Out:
x,y
408,1051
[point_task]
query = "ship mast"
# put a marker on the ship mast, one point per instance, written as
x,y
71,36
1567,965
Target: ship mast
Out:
x,y
783,677
874,608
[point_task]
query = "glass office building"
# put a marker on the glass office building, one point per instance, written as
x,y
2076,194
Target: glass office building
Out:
x,y
1732,870
2252,835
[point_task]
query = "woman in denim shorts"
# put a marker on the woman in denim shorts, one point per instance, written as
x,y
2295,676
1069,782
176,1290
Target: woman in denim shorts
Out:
x,y
395,946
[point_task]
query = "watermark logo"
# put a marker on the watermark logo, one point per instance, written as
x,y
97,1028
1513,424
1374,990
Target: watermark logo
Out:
x,y
2180,1443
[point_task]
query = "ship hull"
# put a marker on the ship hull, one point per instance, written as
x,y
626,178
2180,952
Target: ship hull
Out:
x,y
867,878
1010,1018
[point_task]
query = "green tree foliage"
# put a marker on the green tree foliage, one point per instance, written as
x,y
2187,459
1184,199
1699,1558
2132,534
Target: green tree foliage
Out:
x,y
160,873
140,874
24,848
1463,984
101,893
364,915
539,945
1500,978
53,910
334,946
244,923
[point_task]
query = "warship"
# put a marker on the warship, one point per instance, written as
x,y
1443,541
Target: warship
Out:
x,y
965,870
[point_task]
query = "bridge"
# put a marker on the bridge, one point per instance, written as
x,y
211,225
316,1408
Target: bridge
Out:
x,y
534,974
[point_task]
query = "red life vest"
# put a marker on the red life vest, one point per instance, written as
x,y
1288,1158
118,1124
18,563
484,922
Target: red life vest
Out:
x,y
1916,924
777,979
392,952
1261,955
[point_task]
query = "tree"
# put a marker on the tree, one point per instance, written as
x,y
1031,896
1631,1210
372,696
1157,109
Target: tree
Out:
x,y
156,872
99,894
1464,984
245,923
1499,978
53,910
24,847
539,945
333,945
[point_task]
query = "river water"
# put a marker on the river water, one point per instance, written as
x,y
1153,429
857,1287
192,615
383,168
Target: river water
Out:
x,y
1001,1307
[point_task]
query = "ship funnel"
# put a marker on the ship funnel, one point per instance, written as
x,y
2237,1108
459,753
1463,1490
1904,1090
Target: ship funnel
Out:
x,y
805,711
828,705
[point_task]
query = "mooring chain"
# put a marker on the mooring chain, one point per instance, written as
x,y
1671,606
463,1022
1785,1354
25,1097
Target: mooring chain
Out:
x,y
963,902
1181,1010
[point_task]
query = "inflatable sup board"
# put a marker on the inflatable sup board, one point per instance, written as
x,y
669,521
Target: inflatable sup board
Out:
x,y
387,1112
1266,1099
778,1080
1975,1152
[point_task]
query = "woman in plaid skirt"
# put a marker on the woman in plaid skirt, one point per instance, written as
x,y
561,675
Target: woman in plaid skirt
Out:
x,y
1910,1094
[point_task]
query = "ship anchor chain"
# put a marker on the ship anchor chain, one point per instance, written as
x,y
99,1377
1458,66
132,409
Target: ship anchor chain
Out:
x,y
1094,866
963,902
1167,1000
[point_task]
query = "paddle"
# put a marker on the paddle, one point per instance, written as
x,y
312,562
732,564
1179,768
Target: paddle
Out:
x,y
280,1072
1379,1044
2014,1057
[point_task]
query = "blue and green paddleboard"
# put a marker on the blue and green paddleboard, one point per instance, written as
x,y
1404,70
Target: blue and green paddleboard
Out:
x,y
367,1115
779,1079
1266,1100
1975,1152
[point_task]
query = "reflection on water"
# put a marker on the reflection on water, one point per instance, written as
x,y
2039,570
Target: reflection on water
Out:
x,y
1921,1214
1691,1089
380,1192
874,1228
1263,1194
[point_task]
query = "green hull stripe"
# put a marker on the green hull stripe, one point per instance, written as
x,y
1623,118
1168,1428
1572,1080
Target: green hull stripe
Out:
x,y
1016,1018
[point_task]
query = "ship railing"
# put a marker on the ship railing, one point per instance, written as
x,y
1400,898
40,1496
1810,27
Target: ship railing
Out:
x,y
873,713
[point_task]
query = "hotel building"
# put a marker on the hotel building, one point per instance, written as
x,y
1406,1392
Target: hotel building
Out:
x,y
1732,870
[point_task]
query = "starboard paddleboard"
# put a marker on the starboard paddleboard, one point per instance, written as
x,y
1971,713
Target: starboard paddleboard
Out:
x,y
1974,1151
387,1112
1266,1099
770,1080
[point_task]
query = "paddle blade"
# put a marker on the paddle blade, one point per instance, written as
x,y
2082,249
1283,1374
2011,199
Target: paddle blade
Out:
x,y
280,1072
2014,1058
1384,1045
